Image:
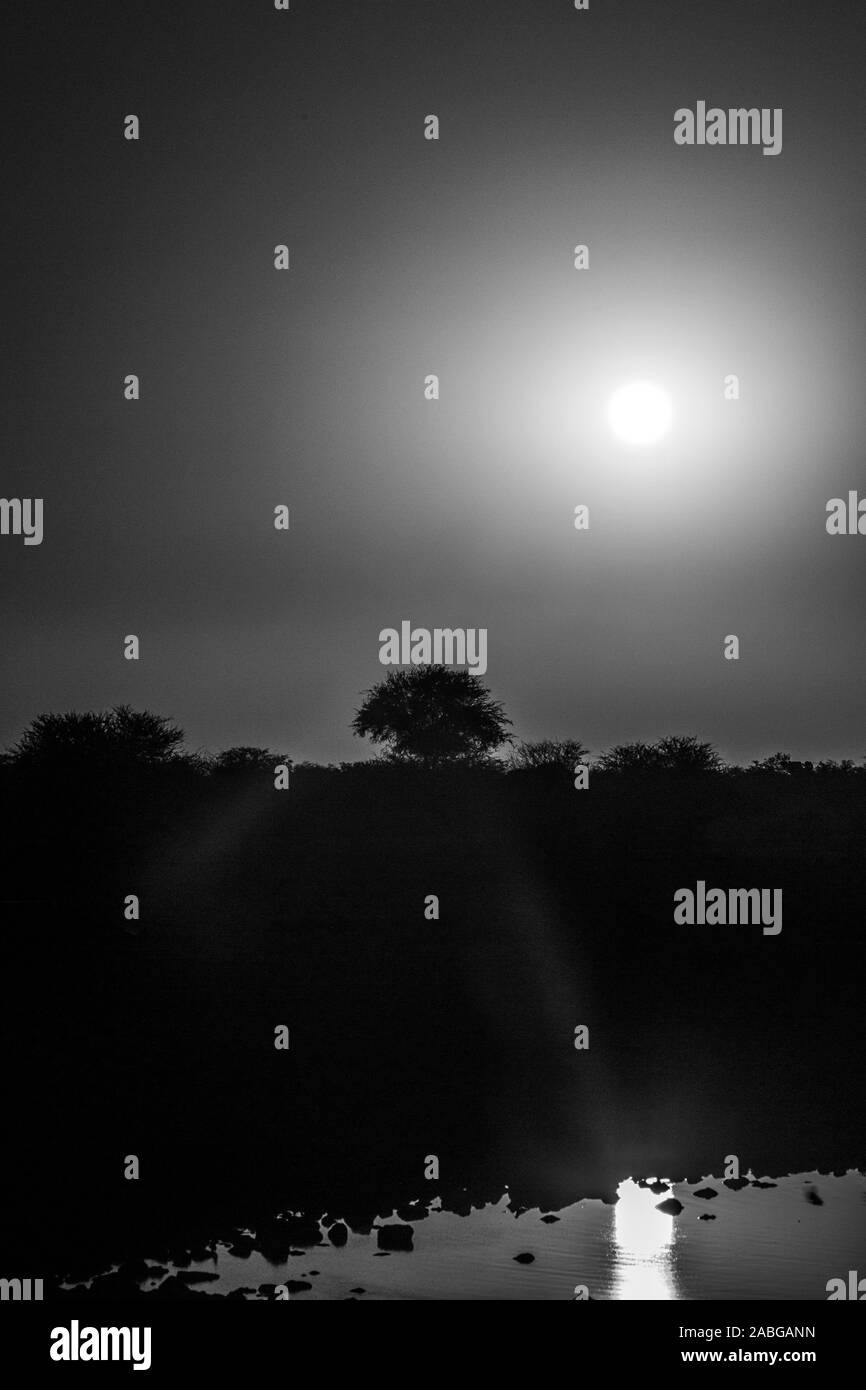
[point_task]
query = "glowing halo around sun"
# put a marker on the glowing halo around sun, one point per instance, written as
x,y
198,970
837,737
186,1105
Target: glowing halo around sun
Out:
x,y
640,413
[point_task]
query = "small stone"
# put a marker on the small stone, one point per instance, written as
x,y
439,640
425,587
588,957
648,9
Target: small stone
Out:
x,y
672,1207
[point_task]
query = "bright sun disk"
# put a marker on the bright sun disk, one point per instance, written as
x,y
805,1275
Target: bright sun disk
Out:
x,y
640,413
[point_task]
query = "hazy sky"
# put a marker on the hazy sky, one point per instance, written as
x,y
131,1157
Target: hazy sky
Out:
x,y
453,257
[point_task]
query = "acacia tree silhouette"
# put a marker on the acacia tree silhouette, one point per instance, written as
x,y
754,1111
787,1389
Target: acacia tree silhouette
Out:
x,y
112,737
430,715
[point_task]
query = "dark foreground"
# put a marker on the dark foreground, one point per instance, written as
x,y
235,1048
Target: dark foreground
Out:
x,y
411,1037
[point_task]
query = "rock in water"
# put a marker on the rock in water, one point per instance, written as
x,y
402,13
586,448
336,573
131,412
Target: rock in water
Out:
x,y
395,1237
671,1207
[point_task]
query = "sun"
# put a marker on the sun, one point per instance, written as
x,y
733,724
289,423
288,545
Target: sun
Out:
x,y
640,413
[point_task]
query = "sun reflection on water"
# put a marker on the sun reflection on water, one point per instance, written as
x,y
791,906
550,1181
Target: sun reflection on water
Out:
x,y
643,1246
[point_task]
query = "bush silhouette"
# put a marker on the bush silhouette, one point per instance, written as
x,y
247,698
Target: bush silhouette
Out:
x,y
548,752
113,738
245,759
675,753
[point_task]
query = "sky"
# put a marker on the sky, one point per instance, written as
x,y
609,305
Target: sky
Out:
x,y
409,257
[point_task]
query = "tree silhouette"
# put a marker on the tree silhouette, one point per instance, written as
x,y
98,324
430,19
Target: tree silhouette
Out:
x,y
676,753
431,715
117,737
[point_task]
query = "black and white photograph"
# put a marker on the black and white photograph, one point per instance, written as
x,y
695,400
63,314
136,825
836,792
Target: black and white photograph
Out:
x,y
433,719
